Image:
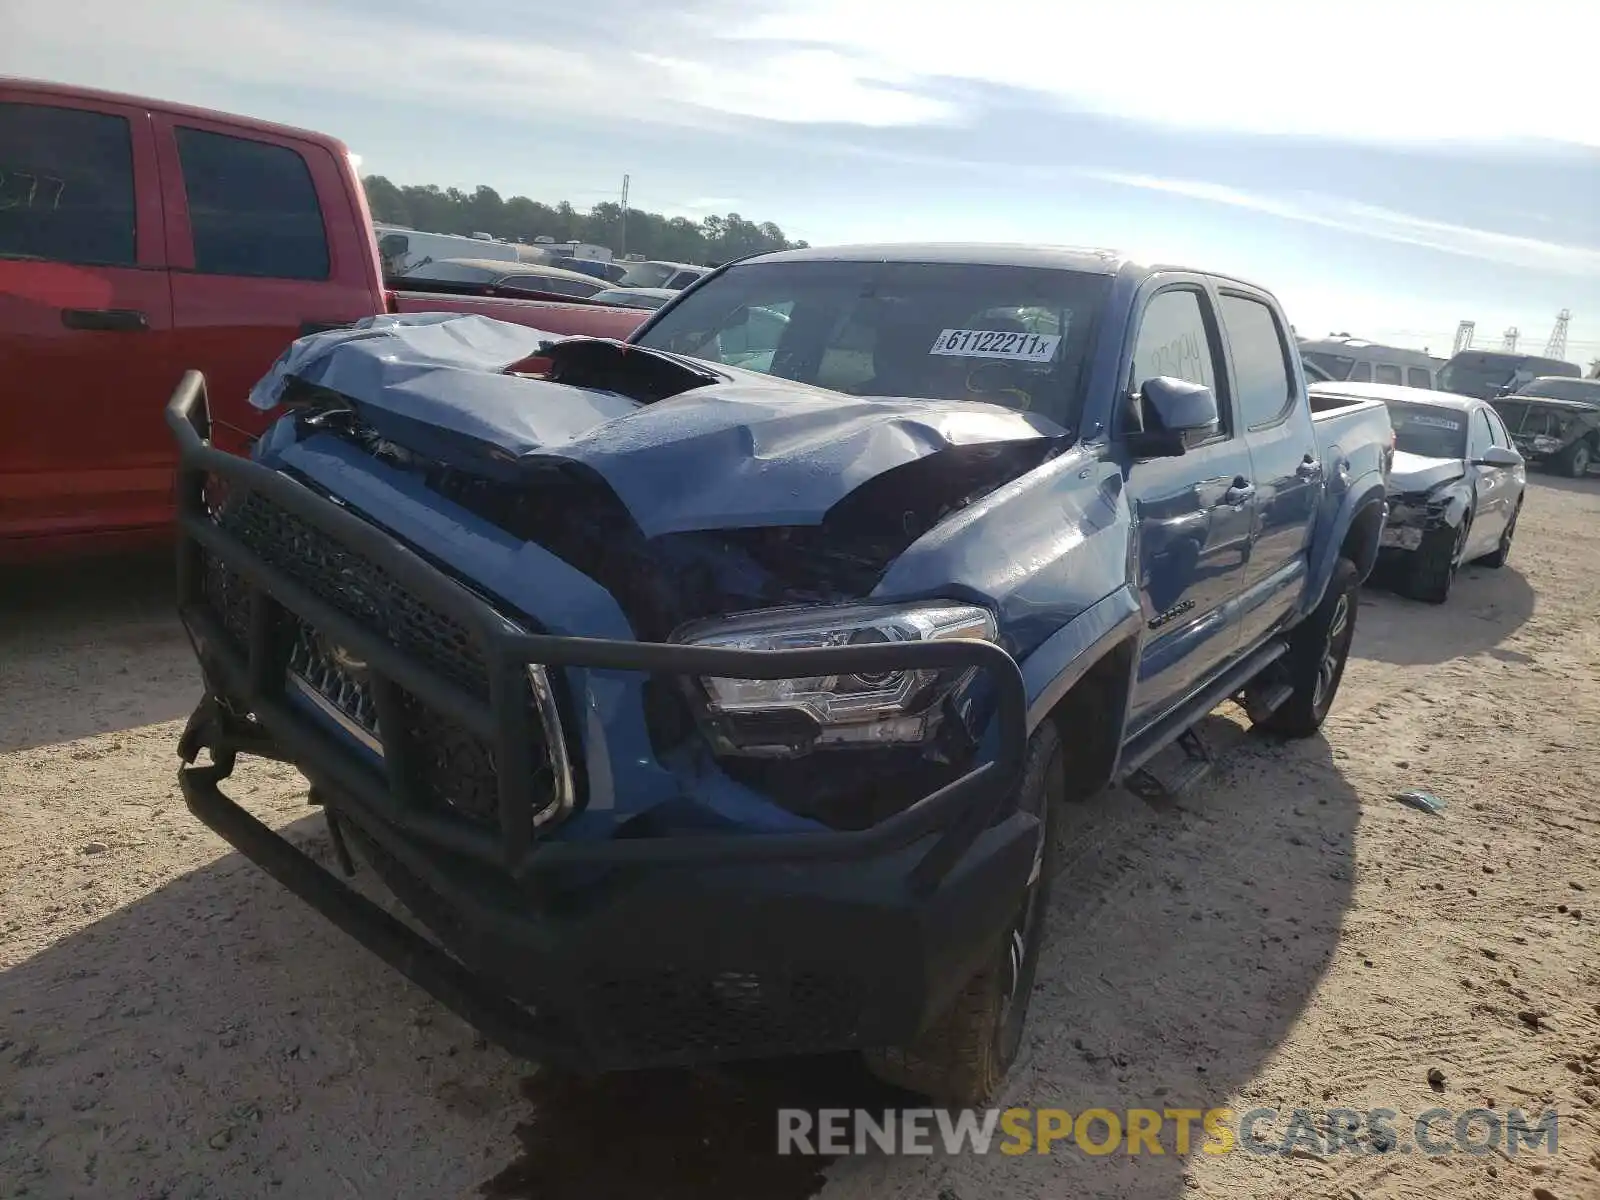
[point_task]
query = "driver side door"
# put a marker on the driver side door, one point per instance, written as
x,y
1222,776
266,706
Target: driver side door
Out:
x,y
1194,513
1492,486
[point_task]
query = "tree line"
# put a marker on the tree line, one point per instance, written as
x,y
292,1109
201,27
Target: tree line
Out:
x,y
433,209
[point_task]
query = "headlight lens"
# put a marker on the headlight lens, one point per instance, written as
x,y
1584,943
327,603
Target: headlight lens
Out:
x,y
1545,444
785,717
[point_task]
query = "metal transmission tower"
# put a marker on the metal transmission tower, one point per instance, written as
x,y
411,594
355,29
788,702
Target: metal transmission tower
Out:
x,y
1511,336
1463,337
1556,347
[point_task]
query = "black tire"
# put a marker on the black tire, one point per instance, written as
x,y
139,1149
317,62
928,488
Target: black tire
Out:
x,y
962,1057
1503,551
1318,650
1433,566
1574,461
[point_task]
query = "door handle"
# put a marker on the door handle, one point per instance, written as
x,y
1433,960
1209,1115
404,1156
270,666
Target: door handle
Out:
x,y
116,319
1309,468
1239,493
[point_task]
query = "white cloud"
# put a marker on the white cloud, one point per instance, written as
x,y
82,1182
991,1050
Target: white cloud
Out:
x,y
1351,216
201,51
1383,70
805,87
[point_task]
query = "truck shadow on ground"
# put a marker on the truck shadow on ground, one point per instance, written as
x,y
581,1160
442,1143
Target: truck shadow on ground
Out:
x,y
1186,938
1486,606
216,1034
95,646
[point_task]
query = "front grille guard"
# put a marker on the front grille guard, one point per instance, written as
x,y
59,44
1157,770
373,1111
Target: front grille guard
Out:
x,y
957,812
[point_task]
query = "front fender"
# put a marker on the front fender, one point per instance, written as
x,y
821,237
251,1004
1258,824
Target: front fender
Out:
x,y
1457,503
1061,660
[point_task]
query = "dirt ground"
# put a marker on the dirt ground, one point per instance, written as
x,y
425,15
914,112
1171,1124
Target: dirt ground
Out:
x,y
173,1024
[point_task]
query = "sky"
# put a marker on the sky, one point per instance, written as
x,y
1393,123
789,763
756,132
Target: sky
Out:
x,y
1387,168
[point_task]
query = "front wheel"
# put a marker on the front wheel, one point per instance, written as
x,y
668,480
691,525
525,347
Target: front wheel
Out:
x,y
1318,650
962,1057
1503,550
1434,564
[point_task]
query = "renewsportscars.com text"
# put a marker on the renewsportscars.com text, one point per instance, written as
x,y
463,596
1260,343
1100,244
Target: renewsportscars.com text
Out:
x,y
1098,1131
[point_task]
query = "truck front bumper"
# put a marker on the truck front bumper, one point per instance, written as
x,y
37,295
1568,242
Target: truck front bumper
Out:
x,y
601,954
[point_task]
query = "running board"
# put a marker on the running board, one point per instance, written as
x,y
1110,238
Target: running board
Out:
x,y
1179,726
1260,701
1198,761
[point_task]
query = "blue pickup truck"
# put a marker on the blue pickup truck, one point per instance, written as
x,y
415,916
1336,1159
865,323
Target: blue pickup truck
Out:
x,y
713,695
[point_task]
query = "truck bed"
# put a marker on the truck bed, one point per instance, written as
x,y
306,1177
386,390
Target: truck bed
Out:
x,y
590,320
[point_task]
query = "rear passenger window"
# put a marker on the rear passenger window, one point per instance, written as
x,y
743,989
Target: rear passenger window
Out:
x,y
1361,373
1418,377
1386,373
252,207
66,186
1262,377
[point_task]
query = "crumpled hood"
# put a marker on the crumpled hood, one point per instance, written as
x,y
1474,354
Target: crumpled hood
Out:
x,y
752,451
1415,473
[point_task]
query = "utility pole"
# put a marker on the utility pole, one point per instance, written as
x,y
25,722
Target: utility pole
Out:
x,y
623,239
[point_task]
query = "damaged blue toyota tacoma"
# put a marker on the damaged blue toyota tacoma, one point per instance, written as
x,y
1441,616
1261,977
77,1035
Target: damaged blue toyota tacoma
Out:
x,y
713,695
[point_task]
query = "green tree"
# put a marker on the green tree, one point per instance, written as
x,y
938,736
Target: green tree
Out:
x,y
451,210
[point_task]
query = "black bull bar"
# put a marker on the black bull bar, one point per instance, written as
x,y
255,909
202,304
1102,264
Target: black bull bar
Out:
x,y
250,678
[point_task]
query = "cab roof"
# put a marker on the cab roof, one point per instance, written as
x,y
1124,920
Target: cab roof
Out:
x,y
1070,258
45,90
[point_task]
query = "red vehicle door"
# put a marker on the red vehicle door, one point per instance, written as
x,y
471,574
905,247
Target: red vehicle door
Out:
x,y
85,322
269,240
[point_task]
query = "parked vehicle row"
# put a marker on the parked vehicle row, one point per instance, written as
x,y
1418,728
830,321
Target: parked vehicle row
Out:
x,y
979,531
142,238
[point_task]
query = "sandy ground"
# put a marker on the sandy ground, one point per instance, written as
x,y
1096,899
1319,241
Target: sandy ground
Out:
x,y
173,1024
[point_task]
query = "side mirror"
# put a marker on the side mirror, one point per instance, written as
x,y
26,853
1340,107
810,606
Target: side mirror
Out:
x,y
1498,456
1173,409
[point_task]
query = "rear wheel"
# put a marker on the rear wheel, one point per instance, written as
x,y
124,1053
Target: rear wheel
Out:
x,y
962,1057
1575,462
1434,564
1319,647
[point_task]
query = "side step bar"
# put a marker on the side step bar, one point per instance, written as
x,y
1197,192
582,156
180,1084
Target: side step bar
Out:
x,y
1178,726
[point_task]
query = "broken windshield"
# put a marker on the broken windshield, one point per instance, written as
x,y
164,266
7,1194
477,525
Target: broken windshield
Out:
x,y
1016,336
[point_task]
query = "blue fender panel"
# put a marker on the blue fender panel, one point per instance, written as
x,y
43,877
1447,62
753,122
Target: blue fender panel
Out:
x,y
1062,659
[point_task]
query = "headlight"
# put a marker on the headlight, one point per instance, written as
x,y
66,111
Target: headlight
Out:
x,y
785,717
1544,445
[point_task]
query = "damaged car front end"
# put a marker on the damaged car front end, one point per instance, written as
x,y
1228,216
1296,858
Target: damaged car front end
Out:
x,y
632,736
